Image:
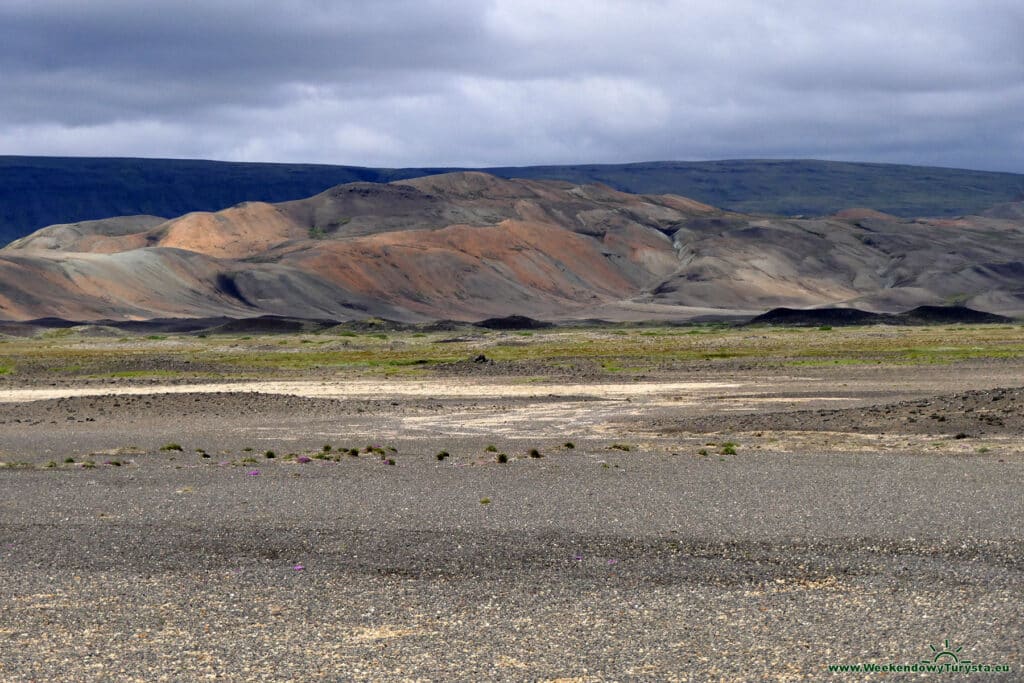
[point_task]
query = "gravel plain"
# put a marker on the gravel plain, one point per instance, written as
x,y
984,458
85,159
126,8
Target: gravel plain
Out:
x,y
742,528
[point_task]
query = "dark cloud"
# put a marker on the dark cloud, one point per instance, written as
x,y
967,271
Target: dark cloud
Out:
x,y
431,82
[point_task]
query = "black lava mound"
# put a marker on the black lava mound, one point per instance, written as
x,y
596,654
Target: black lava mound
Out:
x,y
514,322
837,317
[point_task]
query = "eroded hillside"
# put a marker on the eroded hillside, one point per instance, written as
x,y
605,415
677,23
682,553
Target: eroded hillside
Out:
x,y
470,245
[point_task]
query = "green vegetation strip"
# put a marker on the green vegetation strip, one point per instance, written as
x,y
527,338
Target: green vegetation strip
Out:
x,y
616,350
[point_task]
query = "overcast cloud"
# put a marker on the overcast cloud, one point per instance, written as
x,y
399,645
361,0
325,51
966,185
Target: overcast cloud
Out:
x,y
513,82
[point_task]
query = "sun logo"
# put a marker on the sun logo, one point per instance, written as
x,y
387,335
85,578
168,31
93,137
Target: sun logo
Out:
x,y
946,654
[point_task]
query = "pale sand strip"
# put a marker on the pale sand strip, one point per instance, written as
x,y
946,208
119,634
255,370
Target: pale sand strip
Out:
x,y
362,389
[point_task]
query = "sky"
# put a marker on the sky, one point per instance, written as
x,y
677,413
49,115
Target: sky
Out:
x,y
515,82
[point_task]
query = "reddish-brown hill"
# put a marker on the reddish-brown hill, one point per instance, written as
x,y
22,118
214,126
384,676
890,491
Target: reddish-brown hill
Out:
x,y
469,246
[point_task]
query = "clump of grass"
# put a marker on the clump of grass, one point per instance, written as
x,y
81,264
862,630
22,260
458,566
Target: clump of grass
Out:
x,y
321,456
247,449
171,447
200,451
502,458
702,451
115,463
534,453
390,461
248,461
569,444
69,460
621,447
354,452
825,328
88,464
728,448
270,455
442,455
491,448
50,465
485,501
327,448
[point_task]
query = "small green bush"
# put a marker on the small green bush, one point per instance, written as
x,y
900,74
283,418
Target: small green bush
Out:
x,y
534,453
502,458
171,447
442,455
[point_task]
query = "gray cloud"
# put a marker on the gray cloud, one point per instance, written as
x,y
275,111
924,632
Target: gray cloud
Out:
x,y
432,82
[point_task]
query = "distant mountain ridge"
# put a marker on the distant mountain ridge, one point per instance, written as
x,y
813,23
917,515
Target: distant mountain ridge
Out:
x,y
39,191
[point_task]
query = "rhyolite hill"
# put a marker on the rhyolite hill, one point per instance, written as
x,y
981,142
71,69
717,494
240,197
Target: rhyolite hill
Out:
x,y
468,246
40,191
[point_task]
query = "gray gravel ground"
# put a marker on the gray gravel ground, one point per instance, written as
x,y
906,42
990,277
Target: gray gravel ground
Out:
x,y
589,564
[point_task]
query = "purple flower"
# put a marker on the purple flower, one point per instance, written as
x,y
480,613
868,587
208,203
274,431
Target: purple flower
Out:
x,y
298,567
613,561
578,557
254,473
303,459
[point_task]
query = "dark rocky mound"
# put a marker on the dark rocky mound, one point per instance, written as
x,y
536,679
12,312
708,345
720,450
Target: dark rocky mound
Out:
x,y
836,317
165,325
271,324
945,315
818,316
28,328
514,322
51,323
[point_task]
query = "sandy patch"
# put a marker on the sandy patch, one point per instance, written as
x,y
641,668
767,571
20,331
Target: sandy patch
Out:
x,y
362,389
